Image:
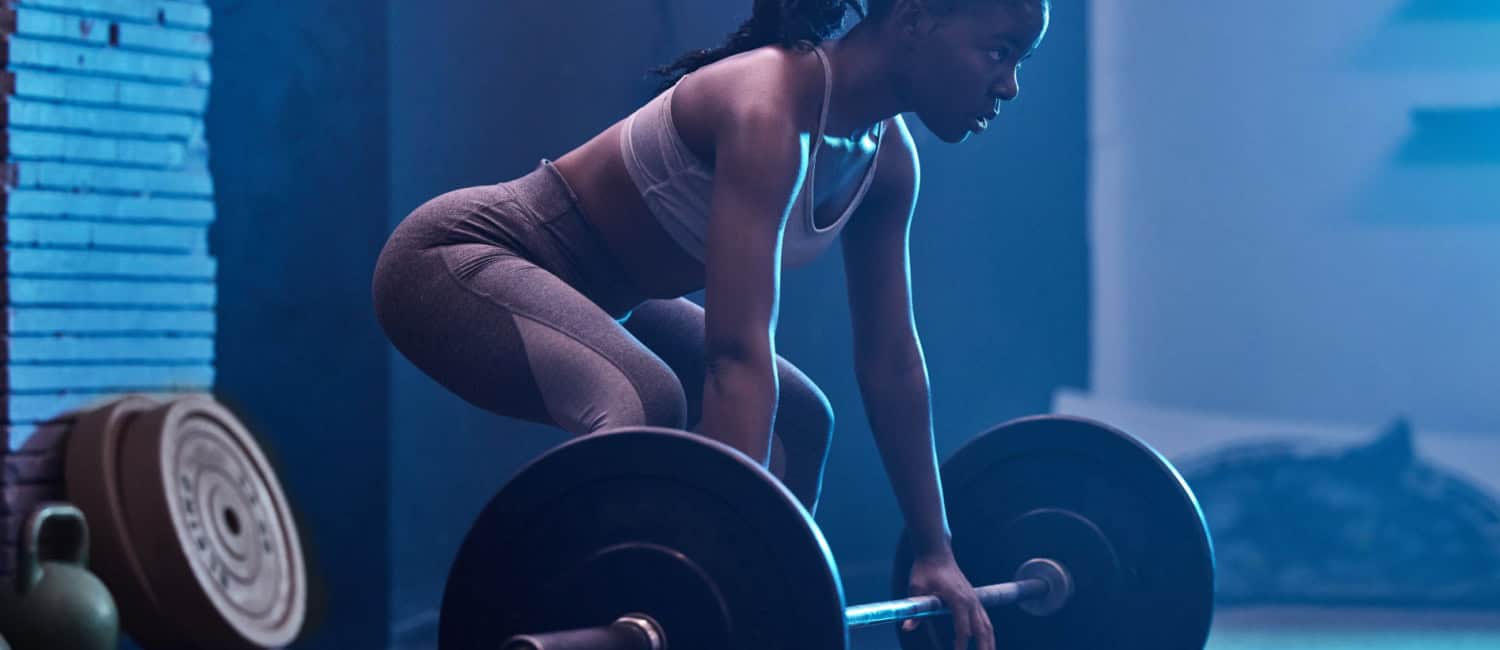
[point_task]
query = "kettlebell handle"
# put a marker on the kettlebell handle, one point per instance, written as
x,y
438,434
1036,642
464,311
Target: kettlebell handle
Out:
x,y
67,540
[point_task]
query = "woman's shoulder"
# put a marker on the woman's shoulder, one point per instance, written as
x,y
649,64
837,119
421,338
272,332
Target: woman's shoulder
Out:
x,y
766,82
898,169
899,151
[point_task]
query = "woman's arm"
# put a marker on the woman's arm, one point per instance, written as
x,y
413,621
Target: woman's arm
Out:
x,y
893,381
888,357
759,158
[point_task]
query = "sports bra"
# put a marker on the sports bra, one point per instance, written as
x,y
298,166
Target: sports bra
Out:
x,y
676,185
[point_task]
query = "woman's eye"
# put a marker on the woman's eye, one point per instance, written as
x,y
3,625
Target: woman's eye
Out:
x,y
999,55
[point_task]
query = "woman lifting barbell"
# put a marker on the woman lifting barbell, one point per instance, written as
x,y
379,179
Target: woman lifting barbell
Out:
x,y
557,297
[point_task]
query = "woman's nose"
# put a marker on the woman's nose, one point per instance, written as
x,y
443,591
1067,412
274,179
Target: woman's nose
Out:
x,y
1007,87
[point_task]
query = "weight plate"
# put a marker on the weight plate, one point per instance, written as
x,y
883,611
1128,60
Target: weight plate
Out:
x,y
91,473
1105,505
657,521
211,527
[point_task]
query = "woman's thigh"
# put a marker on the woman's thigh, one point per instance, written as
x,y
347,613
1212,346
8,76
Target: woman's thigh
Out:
x,y
511,337
674,329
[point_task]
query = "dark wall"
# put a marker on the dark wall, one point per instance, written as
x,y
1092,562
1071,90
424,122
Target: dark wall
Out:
x,y
481,90
297,130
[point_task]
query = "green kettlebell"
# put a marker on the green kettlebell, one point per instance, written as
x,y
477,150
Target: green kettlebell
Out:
x,y
53,602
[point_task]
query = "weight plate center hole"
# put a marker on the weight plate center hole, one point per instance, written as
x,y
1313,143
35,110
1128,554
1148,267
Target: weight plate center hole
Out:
x,y
232,522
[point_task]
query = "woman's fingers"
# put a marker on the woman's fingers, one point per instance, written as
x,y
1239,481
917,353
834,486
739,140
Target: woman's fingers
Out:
x,y
963,627
984,631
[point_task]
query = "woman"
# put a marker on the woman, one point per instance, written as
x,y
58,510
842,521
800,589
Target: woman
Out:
x,y
557,297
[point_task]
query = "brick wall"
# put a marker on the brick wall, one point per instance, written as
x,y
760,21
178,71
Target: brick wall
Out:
x,y
108,283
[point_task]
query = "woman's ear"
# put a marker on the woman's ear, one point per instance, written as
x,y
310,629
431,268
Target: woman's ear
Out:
x,y
910,18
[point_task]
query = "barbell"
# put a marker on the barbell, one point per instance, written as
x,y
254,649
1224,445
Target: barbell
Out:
x,y
650,538
1041,584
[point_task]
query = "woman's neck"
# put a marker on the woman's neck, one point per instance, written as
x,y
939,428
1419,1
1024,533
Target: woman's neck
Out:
x,y
863,89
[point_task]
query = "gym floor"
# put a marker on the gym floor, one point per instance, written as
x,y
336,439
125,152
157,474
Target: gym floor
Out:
x,y
1317,629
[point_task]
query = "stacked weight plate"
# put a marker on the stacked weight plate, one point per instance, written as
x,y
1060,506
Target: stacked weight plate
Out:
x,y
191,530
106,279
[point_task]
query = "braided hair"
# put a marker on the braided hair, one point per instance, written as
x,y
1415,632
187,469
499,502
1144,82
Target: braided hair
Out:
x,y
792,23
877,9
785,22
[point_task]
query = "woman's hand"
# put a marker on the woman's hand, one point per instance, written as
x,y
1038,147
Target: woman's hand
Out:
x,y
938,575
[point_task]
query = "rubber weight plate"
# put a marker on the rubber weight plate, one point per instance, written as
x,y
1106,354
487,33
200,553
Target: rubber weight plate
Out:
x,y
1102,503
211,528
91,471
656,521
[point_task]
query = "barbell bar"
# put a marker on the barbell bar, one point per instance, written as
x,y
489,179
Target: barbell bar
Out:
x,y
1042,585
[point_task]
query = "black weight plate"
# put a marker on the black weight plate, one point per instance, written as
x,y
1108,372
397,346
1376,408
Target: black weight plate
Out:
x,y
649,520
1105,505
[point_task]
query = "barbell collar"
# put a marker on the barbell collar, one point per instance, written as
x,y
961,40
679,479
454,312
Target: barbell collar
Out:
x,y
629,632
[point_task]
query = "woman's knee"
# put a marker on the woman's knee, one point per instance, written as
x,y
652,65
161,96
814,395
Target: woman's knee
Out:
x,y
663,402
618,410
651,401
804,430
603,384
804,416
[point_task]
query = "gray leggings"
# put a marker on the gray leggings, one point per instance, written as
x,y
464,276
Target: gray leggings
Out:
x,y
506,296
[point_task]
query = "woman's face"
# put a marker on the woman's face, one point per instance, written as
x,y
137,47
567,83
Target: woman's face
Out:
x,y
962,64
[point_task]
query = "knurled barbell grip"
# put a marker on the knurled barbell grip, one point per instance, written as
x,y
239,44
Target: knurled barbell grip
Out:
x,y
1041,587
629,632
1005,593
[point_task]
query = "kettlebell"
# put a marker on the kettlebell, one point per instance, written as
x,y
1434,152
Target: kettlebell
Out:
x,y
53,601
